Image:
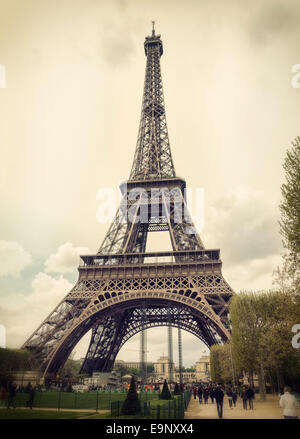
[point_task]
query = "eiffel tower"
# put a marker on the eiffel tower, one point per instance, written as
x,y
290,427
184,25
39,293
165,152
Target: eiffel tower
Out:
x,y
122,289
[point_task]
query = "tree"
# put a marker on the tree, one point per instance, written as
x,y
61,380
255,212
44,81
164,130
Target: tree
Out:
x,y
247,327
150,368
71,369
290,221
290,206
165,393
220,363
261,333
281,360
121,369
13,360
177,389
131,405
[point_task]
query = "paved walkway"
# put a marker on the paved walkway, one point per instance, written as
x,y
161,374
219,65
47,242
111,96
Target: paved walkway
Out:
x,y
268,409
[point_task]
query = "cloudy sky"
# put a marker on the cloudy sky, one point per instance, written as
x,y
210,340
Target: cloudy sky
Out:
x,y
68,127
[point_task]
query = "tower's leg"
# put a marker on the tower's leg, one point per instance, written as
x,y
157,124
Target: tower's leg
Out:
x,y
170,354
143,348
105,343
180,355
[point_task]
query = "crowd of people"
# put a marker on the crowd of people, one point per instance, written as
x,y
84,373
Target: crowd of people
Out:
x,y
216,392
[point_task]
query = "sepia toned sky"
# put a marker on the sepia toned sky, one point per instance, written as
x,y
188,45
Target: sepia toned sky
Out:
x,y
69,118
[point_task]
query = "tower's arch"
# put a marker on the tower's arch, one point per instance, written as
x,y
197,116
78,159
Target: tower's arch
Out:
x,y
113,325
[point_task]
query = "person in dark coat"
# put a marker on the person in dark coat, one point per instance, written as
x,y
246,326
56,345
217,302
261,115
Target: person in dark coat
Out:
x,y
230,396
3,395
211,394
219,396
12,390
250,397
234,395
205,395
244,398
31,391
200,392
195,392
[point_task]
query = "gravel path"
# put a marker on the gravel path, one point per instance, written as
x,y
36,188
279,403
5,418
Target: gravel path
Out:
x,y
268,409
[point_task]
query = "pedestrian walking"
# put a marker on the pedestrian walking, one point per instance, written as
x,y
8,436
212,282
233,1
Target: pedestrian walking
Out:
x,y
3,395
211,394
31,391
11,395
244,398
230,396
288,403
234,395
195,392
219,396
250,396
205,395
200,392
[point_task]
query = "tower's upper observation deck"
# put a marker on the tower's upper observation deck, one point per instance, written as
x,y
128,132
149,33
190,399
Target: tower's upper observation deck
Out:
x,y
153,41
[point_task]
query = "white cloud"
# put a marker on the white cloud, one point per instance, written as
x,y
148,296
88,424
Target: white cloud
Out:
x,y
13,258
254,275
21,314
244,225
66,259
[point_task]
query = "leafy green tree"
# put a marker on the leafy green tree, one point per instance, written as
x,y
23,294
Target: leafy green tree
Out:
x,y
261,333
289,275
281,312
150,368
13,360
121,369
177,389
290,206
220,363
131,405
247,327
71,369
215,369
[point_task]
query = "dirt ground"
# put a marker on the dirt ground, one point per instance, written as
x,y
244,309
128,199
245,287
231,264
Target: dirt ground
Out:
x,y
268,409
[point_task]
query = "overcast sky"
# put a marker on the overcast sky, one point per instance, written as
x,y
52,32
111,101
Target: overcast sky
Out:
x,y
69,118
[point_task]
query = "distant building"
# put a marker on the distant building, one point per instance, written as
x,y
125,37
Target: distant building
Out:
x,y
130,364
201,373
203,369
187,377
103,379
162,368
23,378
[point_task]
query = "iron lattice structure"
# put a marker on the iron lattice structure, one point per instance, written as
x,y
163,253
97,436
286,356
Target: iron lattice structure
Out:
x,y
123,290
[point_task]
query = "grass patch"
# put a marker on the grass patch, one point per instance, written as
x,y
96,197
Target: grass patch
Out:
x,y
39,414
72,400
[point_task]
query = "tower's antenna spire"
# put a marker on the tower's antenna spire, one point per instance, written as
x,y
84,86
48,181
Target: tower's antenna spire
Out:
x,y
153,31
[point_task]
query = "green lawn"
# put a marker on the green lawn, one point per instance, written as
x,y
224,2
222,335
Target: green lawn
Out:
x,y
72,400
39,414
86,400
